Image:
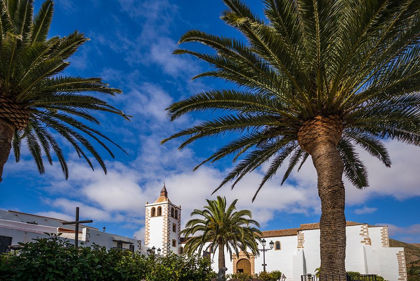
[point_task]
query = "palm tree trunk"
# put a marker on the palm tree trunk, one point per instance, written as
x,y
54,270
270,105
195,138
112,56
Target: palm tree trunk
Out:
x,y
221,260
329,166
319,138
6,135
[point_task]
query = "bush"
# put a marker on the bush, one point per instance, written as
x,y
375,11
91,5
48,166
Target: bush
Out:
x,y
359,276
275,275
56,259
413,273
265,276
270,276
241,276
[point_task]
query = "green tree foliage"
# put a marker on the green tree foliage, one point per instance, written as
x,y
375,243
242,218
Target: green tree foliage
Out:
x,y
220,226
56,259
413,273
240,277
37,100
269,276
358,276
316,78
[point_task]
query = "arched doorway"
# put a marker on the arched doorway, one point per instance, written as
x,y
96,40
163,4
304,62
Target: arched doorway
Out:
x,y
244,265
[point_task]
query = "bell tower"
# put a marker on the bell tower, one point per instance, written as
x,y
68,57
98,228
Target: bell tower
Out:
x,y
163,224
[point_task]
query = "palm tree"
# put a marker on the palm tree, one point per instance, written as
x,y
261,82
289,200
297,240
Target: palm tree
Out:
x,y
219,227
316,78
35,98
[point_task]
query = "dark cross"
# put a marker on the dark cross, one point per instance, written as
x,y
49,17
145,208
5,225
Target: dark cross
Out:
x,y
76,223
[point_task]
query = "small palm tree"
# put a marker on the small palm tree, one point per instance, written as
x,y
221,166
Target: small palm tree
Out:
x,y
220,227
317,78
35,98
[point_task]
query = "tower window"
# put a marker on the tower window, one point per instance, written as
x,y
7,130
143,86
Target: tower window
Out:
x,y
159,211
277,247
153,212
172,212
173,243
174,227
176,214
181,250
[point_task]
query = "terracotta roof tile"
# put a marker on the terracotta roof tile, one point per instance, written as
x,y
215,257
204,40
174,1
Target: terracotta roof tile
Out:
x,y
162,199
291,231
280,232
294,231
309,226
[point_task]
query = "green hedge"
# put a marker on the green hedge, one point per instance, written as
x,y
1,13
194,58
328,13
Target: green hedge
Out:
x,y
264,276
56,259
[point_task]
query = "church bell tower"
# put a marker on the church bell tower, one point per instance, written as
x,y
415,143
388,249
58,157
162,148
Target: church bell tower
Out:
x,y
163,224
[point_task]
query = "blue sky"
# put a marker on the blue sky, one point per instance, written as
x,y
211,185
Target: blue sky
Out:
x,y
131,48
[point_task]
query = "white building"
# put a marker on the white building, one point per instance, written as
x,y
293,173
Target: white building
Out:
x,y
296,251
163,224
18,227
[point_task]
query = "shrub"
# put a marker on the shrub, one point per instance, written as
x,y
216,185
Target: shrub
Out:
x,y
413,273
265,276
56,259
275,275
241,276
359,276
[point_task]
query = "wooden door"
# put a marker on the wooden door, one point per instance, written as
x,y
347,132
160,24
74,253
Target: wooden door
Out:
x,y
244,265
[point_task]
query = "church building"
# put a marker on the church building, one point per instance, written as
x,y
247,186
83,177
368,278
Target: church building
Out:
x,y
295,252
163,224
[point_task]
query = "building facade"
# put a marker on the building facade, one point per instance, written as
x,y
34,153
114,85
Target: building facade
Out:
x,y
18,227
296,251
163,224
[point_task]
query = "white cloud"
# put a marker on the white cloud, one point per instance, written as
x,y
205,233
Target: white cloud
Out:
x,y
410,233
174,65
365,210
67,5
149,101
88,212
80,60
156,15
56,215
401,181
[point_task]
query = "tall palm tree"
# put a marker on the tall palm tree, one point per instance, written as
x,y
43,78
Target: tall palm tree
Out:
x,y
219,227
316,78
35,98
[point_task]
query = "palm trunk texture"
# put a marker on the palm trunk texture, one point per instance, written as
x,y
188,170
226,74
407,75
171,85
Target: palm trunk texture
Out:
x,y
319,137
221,260
6,135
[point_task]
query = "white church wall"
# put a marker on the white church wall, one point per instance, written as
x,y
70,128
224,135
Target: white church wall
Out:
x,y
355,258
278,259
373,265
173,235
391,267
354,250
311,249
379,236
299,267
156,232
